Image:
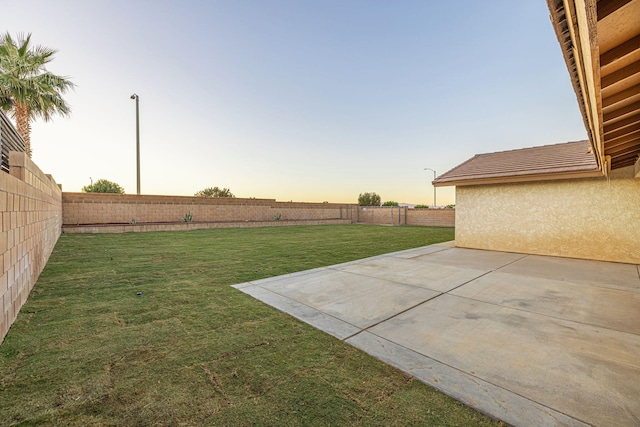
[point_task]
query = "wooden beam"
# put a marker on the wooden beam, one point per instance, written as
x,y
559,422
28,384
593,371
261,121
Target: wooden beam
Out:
x,y
621,96
629,147
621,132
607,7
621,74
621,124
613,142
616,160
623,164
621,112
620,51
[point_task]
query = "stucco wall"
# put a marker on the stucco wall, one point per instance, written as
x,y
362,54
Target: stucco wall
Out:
x,y
31,210
596,218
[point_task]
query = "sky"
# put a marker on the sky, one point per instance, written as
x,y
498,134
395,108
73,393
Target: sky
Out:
x,y
295,99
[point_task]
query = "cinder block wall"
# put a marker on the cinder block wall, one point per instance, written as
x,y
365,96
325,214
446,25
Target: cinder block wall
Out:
x,y
432,217
95,208
31,209
383,215
394,215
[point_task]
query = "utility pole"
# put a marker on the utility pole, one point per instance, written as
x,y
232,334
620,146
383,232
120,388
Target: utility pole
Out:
x,y
137,98
434,187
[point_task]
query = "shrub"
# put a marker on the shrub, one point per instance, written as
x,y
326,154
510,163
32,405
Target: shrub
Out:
x,y
369,199
103,186
215,192
421,207
390,203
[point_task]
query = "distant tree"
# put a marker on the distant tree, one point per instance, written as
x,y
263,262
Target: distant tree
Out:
x,y
390,203
421,207
27,89
103,186
369,199
450,206
214,192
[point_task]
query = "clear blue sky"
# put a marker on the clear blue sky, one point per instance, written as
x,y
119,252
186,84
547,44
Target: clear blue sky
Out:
x,y
296,100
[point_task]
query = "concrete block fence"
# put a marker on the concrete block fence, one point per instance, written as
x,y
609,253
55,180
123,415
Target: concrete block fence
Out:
x,y
95,213
402,215
114,213
31,210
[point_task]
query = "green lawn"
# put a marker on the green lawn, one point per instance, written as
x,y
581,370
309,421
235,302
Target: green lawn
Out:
x,y
192,350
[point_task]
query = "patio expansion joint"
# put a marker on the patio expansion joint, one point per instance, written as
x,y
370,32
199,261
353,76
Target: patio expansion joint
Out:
x,y
469,281
393,316
512,262
413,306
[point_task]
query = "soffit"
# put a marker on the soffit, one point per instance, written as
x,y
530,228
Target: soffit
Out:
x,y
618,35
600,41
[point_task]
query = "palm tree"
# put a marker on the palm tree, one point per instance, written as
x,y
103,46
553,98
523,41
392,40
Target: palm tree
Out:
x,y
27,89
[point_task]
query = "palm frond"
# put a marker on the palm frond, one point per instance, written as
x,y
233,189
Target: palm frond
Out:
x,y
25,82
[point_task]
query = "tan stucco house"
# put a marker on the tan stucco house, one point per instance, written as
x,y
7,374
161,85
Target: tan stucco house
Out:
x,y
577,199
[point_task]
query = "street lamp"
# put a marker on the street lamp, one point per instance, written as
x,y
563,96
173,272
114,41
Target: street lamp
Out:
x,y
137,98
434,187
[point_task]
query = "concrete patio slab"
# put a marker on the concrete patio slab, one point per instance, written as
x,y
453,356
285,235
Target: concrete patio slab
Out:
x,y
514,409
585,372
530,340
577,271
359,300
329,324
412,253
438,277
615,309
472,258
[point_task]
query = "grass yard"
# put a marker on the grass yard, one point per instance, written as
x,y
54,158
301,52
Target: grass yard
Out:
x,y
191,350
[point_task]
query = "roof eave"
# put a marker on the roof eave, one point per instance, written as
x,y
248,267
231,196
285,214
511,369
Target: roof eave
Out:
x,y
576,30
592,173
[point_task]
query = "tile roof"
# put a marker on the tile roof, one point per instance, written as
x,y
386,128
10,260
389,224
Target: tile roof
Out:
x,y
566,160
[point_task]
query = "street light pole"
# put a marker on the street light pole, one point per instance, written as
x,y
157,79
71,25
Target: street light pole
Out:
x,y
434,187
137,98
